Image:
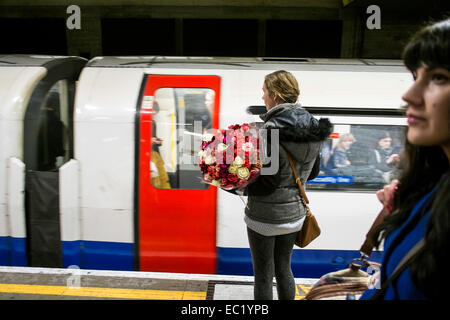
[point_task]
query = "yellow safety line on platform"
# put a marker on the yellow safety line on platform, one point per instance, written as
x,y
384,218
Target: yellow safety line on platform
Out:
x,y
305,289
102,292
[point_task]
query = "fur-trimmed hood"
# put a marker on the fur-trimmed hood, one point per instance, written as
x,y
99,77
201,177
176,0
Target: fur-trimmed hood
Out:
x,y
295,124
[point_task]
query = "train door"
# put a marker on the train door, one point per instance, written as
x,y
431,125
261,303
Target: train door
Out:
x,y
48,144
176,211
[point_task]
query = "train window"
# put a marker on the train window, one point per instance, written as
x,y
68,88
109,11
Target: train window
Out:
x,y
180,117
360,157
53,136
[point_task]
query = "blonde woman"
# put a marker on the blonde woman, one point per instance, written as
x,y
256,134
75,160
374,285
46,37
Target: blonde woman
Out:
x,y
339,156
275,212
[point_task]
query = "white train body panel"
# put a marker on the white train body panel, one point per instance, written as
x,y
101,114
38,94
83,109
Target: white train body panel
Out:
x,y
104,144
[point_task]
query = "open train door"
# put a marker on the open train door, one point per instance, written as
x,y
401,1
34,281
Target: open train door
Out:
x,y
176,211
47,146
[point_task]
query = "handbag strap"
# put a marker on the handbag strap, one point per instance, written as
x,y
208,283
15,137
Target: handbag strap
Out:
x,y
298,181
369,243
403,264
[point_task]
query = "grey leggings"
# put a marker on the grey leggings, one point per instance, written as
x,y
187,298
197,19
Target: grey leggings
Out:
x,y
272,256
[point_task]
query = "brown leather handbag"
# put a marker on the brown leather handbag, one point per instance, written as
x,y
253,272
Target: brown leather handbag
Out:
x,y
310,229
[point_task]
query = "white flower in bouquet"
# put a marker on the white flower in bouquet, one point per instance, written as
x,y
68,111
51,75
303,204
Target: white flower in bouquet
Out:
x,y
221,147
201,154
243,173
209,159
238,161
233,169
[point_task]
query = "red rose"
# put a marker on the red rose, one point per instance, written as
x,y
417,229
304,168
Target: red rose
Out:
x,y
254,172
223,173
242,182
233,178
215,175
211,170
245,127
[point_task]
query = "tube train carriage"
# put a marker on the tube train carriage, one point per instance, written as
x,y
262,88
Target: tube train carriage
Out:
x,y
77,161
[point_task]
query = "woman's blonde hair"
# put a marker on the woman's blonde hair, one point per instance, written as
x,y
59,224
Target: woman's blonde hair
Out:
x,y
345,137
283,84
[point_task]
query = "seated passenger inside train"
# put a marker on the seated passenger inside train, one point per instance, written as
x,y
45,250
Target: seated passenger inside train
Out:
x,y
363,173
384,157
337,158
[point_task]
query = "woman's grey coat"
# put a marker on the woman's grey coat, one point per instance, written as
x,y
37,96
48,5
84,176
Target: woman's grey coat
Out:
x,y
276,198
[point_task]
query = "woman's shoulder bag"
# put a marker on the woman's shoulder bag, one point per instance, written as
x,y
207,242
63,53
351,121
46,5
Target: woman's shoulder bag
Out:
x,y
310,229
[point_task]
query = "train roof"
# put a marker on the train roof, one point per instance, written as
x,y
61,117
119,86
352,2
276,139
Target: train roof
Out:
x,y
230,63
25,60
292,64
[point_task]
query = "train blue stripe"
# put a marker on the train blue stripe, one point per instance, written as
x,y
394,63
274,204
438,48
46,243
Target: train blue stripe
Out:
x,y
102,255
99,255
71,253
107,255
305,263
13,252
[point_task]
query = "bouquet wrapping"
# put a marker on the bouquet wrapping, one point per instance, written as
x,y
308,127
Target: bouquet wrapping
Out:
x,y
230,159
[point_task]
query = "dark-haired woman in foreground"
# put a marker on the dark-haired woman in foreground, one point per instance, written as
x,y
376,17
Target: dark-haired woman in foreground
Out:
x,y
421,202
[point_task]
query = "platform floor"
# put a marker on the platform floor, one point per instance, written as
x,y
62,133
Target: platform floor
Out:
x,y
25,283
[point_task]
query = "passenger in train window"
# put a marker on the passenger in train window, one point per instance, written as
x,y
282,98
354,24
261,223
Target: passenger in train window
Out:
x,y
159,176
196,106
156,142
420,216
325,155
51,133
364,174
274,212
395,173
339,157
384,157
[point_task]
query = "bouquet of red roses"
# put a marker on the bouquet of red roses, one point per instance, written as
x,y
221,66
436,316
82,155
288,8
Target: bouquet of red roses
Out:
x,y
229,159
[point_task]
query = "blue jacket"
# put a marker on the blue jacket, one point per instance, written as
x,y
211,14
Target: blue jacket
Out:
x,y
338,158
402,288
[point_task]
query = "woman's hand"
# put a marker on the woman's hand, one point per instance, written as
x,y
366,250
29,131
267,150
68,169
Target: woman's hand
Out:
x,y
386,194
394,158
157,140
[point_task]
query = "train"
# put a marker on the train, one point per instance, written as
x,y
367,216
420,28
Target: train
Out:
x,y
77,159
